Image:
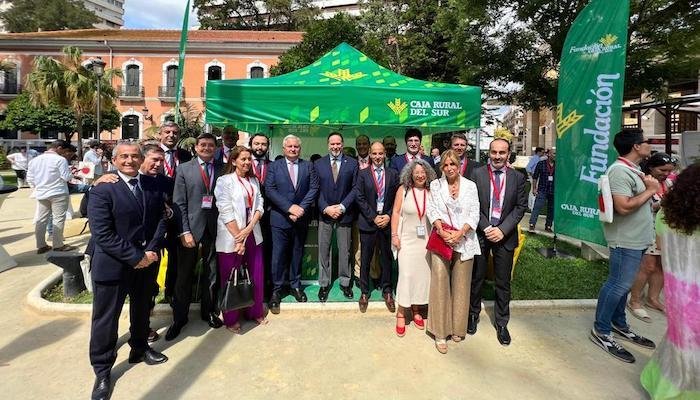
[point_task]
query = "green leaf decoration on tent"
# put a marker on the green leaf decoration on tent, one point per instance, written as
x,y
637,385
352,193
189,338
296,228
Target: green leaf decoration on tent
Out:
x,y
313,115
461,117
364,114
403,116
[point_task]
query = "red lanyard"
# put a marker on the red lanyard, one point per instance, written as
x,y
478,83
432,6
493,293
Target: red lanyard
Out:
x,y
170,169
250,192
379,189
497,193
420,213
207,184
263,171
464,166
550,168
633,167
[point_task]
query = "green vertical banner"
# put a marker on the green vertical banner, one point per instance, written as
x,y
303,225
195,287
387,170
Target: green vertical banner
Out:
x,y
589,112
181,62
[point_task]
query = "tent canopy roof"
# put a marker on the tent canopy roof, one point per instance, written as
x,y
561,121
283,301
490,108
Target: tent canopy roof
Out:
x,y
343,90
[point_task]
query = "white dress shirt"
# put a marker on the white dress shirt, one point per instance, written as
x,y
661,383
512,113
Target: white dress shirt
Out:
x,y
92,156
48,174
232,201
462,210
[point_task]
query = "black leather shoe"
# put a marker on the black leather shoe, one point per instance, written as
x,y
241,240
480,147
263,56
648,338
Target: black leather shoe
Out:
x,y
174,330
213,320
472,323
153,336
274,303
150,357
323,293
389,301
299,295
102,388
364,302
503,335
347,291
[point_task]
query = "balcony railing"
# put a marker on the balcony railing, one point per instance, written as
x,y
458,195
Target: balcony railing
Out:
x,y
9,91
168,93
130,92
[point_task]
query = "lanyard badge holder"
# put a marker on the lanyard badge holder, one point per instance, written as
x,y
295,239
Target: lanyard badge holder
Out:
x,y
420,228
207,197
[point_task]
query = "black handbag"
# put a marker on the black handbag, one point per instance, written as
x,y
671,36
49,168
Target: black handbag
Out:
x,y
239,290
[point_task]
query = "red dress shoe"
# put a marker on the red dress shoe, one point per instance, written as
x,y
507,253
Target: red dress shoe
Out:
x,y
420,322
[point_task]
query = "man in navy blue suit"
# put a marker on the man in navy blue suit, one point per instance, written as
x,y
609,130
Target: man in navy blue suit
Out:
x,y
412,138
128,227
375,191
229,138
336,176
291,186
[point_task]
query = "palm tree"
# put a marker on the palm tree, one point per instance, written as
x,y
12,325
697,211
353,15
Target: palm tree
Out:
x,y
69,84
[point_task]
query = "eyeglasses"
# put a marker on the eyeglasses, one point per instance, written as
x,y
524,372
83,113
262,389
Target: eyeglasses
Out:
x,y
643,141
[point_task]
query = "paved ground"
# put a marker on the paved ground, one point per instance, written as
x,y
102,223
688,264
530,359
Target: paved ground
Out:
x,y
303,354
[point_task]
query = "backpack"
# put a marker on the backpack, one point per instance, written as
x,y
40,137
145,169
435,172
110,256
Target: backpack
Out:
x,y
606,210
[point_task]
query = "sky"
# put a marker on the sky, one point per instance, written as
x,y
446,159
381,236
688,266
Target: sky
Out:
x,y
156,14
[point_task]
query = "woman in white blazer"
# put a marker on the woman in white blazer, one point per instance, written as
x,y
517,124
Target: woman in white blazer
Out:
x,y
238,236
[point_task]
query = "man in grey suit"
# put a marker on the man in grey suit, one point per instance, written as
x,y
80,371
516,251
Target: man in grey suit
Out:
x,y
194,199
503,203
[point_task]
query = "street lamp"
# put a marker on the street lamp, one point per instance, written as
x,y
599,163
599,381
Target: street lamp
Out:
x,y
98,68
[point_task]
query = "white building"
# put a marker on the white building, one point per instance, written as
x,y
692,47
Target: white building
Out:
x,y
110,12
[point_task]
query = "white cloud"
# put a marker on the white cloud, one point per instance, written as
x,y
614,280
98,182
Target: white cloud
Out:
x,y
156,14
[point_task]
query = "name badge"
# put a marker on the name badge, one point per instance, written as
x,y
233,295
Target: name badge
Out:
x,y
420,231
550,178
380,207
207,201
496,212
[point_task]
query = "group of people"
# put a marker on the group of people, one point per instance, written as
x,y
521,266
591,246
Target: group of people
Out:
x,y
230,206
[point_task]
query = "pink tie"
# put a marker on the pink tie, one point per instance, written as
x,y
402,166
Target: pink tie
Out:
x,y
291,175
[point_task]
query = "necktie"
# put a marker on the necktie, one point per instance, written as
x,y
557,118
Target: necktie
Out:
x,y
258,168
136,190
495,197
206,166
380,185
334,169
171,158
292,176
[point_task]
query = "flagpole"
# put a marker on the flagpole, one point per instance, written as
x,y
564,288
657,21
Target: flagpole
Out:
x,y
181,63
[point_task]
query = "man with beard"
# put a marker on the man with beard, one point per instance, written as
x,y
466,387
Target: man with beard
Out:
x,y
503,203
336,176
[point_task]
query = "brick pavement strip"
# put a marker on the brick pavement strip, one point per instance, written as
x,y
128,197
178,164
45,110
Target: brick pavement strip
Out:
x,y
336,353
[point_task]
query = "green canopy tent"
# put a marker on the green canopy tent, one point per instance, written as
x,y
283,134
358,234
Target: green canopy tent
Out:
x,y
344,91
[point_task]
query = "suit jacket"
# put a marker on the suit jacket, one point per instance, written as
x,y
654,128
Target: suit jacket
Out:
x,y
182,156
282,193
261,180
366,196
121,231
219,155
514,204
471,167
187,198
399,161
338,192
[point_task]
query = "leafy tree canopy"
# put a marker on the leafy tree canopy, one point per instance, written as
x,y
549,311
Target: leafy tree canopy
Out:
x,y
286,15
42,15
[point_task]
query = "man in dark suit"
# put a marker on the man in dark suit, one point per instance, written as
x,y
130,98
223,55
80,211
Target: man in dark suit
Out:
x,y
229,138
291,185
259,144
194,200
458,143
503,203
336,204
127,225
375,191
412,138
169,136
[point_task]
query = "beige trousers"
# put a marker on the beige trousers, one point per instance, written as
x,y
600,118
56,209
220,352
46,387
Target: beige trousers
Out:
x,y
450,285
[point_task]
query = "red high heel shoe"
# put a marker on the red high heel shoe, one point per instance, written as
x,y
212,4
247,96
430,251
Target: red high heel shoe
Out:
x,y
400,330
419,321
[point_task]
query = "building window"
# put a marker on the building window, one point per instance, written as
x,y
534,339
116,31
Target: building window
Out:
x,y
171,81
133,80
257,72
8,80
214,73
130,127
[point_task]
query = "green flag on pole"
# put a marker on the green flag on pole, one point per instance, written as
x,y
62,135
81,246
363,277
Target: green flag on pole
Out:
x,y
181,62
589,111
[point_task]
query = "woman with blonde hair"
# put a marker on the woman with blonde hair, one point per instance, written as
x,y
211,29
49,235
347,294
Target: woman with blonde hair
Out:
x,y
409,236
453,210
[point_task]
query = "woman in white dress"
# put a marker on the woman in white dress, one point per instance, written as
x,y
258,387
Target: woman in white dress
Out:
x,y
409,236
453,201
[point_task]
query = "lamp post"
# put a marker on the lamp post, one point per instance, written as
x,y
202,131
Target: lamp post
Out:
x,y
98,68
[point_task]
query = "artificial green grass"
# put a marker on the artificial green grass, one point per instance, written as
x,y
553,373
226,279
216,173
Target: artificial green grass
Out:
x,y
9,177
535,278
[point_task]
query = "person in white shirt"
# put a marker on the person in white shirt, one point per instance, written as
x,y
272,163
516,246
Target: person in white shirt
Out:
x,y
49,174
94,157
18,159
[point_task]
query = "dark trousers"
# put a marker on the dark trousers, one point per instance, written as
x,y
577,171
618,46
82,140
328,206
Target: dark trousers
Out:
x,y
171,245
108,299
502,266
287,253
381,239
208,279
